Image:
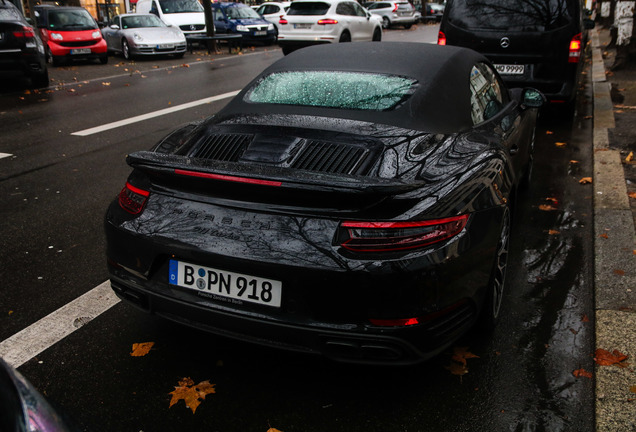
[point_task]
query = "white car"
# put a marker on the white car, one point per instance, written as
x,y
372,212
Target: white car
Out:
x,y
393,13
312,22
272,11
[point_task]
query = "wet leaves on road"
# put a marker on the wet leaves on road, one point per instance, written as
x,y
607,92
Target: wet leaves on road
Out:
x,y
141,349
582,373
191,394
458,365
605,358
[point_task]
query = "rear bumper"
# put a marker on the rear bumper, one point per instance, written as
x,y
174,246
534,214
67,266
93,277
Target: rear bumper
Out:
x,y
394,346
15,63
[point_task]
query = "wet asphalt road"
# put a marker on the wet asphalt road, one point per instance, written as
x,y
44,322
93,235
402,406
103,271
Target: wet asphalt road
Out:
x,y
54,193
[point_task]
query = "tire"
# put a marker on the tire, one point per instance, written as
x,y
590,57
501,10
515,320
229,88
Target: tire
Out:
x,y
125,49
40,80
345,37
51,59
179,55
491,310
377,35
103,59
527,174
407,26
386,23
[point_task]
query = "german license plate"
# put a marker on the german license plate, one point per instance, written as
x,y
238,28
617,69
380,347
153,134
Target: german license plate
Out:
x,y
225,285
260,33
165,46
302,26
81,51
505,69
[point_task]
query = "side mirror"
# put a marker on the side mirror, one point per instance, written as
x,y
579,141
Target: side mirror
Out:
x,y
532,98
114,26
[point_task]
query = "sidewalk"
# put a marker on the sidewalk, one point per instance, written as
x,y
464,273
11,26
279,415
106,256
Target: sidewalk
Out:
x,y
615,272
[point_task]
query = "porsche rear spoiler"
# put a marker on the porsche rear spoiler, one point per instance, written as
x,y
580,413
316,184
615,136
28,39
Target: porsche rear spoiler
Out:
x,y
176,168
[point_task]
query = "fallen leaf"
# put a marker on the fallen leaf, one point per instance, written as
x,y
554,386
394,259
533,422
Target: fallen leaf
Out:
x,y
554,232
585,318
632,195
574,161
586,180
588,117
141,349
105,83
185,65
191,393
604,235
273,430
560,144
582,373
605,358
549,132
546,207
552,200
632,389
629,157
619,272
460,354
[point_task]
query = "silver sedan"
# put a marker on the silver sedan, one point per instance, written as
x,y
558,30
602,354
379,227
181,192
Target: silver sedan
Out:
x,y
143,34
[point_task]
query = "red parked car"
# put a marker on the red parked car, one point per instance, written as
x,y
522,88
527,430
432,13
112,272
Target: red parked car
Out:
x,y
70,33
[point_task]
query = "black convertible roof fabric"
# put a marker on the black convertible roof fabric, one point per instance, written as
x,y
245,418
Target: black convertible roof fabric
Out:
x,y
440,104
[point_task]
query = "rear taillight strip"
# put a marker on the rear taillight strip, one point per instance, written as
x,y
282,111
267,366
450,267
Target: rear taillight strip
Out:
x,y
227,178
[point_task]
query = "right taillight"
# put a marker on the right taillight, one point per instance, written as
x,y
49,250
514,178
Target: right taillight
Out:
x,y
396,236
441,38
24,33
574,54
282,20
132,199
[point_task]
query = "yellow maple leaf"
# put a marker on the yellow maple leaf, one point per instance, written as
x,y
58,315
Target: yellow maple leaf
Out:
x,y
141,349
191,393
630,157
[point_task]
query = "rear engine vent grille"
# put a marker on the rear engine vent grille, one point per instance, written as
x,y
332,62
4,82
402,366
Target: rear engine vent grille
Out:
x,y
225,147
332,158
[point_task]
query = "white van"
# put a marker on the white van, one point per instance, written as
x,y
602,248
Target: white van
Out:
x,y
186,14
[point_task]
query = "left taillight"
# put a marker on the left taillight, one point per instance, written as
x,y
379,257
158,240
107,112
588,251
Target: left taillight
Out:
x,y
24,33
576,46
441,38
132,199
398,236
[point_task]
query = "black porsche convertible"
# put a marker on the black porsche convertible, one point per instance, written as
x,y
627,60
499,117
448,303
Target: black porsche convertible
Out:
x,y
340,205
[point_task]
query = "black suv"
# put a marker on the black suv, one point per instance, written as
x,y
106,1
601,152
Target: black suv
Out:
x,y
533,43
22,53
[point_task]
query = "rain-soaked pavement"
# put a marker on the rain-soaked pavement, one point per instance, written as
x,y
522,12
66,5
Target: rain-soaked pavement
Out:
x,y
520,378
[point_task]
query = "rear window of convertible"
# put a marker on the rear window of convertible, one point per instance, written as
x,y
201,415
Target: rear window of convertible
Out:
x,y
329,89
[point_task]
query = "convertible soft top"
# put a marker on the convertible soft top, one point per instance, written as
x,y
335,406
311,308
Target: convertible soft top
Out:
x,y
440,103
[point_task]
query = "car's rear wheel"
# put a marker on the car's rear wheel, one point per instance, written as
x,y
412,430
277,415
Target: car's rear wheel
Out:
x,y
377,35
386,23
125,49
492,304
345,37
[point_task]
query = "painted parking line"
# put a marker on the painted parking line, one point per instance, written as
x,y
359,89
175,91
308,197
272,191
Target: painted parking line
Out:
x,y
5,155
31,341
136,119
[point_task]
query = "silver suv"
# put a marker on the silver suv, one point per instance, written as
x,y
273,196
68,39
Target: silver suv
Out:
x,y
393,13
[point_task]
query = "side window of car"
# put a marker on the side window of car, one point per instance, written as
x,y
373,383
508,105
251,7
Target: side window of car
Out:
x,y
486,93
345,9
359,11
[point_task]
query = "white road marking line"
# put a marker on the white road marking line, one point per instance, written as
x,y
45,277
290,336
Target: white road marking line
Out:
x,y
153,114
31,341
5,155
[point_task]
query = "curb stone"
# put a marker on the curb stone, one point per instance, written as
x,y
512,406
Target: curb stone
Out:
x,y
615,275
